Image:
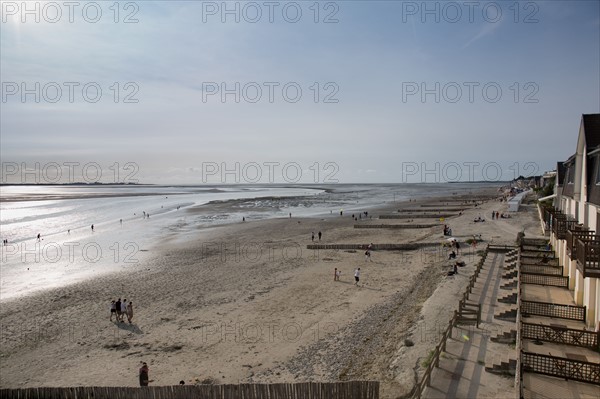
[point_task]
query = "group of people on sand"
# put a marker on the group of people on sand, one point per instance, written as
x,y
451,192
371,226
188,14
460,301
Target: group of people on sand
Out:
x,y
312,238
120,309
497,215
447,230
337,273
360,216
455,245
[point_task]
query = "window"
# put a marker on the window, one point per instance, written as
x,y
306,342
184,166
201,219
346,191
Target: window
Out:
x,y
570,174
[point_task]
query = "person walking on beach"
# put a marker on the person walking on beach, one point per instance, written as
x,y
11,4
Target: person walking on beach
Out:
x,y
92,228
457,247
312,238
118,309
320,236
335,274
130,312
123,309
121,222
39,237
356,276
367,255
144,375
113,309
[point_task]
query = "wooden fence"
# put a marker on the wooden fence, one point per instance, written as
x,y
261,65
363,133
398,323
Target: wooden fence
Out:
x,y
418,216
435,358
395,226
456,319
436,211
387,247
312,390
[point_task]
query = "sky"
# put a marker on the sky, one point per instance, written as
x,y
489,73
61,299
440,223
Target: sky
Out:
x,y
195,92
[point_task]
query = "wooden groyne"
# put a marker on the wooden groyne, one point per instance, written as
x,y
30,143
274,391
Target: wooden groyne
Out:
x,y
313,390
446,205
418,216
375,247
395,226
421,210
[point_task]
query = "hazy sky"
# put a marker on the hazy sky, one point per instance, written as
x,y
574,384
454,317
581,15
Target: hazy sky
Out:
x,y
353,91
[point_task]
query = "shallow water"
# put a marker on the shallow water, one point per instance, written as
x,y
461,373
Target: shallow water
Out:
x,y
63,257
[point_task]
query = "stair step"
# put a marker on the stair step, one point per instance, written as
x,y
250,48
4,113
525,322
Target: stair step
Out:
x,y
508,336
501,363
511,298
508,314
510,275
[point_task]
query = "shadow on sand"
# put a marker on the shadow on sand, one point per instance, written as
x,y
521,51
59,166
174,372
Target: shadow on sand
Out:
x,y
133,328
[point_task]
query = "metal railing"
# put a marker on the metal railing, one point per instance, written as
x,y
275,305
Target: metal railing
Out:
x,y
573,235
563,367
547,309
561,335
588,257
545,279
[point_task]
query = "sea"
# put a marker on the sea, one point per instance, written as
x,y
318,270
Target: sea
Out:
x,y
129,220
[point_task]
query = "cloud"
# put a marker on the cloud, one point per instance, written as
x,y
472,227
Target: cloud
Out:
x,y
486,30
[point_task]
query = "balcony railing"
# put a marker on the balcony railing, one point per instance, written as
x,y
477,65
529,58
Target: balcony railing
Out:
x,y
588,257
569,369
561,335
559,226
573,235
555,310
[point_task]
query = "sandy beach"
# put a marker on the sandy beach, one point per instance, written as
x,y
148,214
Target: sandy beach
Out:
x,y
248,302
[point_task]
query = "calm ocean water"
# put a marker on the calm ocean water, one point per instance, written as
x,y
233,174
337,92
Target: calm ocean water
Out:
x,y
69,251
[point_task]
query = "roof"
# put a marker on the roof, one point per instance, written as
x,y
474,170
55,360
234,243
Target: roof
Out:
x,y
591,126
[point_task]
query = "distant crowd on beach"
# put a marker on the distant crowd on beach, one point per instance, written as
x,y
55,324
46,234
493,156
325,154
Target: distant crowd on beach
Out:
x,y
144,213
